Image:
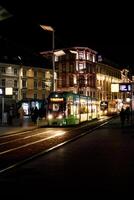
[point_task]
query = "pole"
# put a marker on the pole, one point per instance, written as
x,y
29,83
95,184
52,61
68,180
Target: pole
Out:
x,y
132,87
53,58
2,110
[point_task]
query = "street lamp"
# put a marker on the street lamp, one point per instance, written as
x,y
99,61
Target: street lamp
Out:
x,y
4,14
49,28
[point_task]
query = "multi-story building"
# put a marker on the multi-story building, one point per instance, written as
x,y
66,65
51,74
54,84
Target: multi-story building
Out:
x,y
76,71
105,76
24,83
80,70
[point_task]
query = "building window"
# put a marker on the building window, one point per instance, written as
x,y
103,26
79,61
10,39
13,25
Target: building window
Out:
x,y
43,84
24,83
81,81
35,84
81,55
94,94
35,73
24,95
81,66
91,57
71,81
63,68
88,56
3,82
71,68
24,72
63,80
43,74
80,92
15,83
35,96
94,58
88,93
43,96
15,71
3,70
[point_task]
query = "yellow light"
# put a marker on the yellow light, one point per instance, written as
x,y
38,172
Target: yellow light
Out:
x,y
60,133
47,28
59,53
60,117
9,91
114,87
56,99
50,116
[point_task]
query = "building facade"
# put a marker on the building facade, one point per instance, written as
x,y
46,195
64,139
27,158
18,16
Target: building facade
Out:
x,y
25,82
76,71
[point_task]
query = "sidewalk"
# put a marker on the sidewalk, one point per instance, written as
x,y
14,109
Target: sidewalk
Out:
x,y
5,129
16,128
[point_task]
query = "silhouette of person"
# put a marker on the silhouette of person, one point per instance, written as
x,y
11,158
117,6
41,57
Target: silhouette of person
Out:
x,y
127,111
21,115
122,116
35,115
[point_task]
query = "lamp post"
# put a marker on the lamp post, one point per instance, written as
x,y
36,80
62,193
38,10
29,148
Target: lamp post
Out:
x,y
49,28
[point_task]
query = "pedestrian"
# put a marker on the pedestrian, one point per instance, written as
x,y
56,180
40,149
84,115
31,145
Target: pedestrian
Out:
x,y
35,114
127,111
21,115
122,116
10,116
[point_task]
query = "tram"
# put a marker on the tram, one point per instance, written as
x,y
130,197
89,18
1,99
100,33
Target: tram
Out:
x,y
66,108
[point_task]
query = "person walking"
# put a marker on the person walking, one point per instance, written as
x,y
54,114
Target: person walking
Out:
x,y
35,115
122,116
21,115
127,111
10,116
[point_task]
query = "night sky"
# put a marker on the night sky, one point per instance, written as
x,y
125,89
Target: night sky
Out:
x,y
107,28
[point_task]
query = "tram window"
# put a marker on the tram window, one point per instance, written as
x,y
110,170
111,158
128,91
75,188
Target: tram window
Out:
x,y
55,107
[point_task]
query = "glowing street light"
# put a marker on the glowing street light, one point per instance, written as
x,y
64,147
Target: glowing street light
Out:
x,y
4,14
49,28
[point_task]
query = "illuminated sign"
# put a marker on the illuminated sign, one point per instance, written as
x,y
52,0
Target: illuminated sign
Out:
x,y
9,91
1,91
56,99
114,87
103,105
125,87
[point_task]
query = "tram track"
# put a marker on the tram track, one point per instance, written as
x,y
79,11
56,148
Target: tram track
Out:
x,y
14,155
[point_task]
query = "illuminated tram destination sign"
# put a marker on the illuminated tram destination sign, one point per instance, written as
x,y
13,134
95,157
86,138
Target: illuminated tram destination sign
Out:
x,y
125,87
56,99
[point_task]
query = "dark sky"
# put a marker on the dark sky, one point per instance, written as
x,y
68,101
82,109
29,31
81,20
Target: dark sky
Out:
x,y
106,28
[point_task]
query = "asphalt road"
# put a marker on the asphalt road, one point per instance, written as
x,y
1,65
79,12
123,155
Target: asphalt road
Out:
x,y
99,162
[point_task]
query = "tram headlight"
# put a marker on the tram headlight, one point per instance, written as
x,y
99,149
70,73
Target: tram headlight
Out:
x,y
60,117
50,116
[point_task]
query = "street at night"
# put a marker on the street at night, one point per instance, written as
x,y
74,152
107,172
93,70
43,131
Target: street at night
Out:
x,y
66,100
100,161
21,145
